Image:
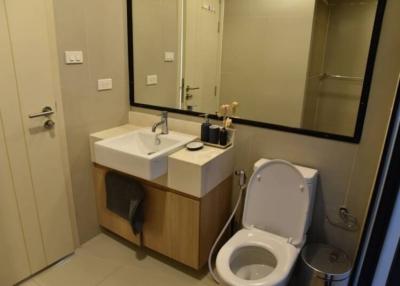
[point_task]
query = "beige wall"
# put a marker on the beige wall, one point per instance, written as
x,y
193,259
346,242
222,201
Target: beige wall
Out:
x,y
349,36
316,64
347,170
383,88
341,40
98,28
155,32
266,45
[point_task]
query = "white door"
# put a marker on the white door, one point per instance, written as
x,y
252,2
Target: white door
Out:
x,y
34,169
202,49
14,263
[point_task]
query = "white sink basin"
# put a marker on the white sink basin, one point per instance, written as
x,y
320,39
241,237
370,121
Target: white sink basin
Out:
x,y
137,153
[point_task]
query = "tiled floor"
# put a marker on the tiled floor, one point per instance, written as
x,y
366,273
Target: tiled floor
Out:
x,y
105,261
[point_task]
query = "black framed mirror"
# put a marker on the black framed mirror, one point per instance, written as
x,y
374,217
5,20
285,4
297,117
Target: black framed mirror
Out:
x,y
297,66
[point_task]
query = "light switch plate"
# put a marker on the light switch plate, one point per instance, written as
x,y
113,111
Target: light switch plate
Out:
x,y
73,57
152,79
104,84
169,56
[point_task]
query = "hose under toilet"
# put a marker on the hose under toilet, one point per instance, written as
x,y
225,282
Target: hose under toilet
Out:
x,y
242,183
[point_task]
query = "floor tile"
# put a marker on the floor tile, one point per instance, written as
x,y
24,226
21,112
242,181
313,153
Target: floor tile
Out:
x,y
138,276
144,263
110,249
107,260
81,269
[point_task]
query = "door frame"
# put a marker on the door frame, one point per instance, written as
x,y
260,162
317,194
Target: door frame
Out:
x,y
62,132
383,203
61,129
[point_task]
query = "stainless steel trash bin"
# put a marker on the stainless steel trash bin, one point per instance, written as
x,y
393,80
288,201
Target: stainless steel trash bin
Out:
x,y
323,265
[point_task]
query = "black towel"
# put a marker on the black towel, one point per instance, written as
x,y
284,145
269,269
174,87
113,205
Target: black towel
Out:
x,y
125,197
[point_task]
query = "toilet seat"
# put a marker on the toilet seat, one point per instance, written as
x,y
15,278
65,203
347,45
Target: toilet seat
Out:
x,y
284,253
275,219
278,201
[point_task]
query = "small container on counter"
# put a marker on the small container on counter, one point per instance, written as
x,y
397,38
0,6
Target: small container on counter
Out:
x,y
205,129
223,137
214,131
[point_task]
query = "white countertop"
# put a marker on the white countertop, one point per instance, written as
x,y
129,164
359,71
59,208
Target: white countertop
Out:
x,y
199,157
112,132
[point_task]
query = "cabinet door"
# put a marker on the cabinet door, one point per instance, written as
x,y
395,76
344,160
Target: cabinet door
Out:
x,y
172,225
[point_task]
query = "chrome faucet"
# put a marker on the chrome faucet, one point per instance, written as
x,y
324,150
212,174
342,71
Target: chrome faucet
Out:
x,y
163,123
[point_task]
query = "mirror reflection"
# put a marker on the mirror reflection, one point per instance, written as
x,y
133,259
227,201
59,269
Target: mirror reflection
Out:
x,y
296,63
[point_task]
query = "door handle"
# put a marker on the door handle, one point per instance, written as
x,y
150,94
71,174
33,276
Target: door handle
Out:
x,y
188,88
46,111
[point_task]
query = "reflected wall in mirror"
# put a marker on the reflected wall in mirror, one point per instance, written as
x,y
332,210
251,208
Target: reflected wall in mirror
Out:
x,y
299,64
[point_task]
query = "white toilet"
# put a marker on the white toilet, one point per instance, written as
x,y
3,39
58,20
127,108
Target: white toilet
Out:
x,y
277,214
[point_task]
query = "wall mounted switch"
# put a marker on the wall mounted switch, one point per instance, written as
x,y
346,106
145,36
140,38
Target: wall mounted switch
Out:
x,y
169,56
152,79
104,84
73,57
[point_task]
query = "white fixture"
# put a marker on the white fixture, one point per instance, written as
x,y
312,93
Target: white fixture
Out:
x,y
104,84
139,153
152,79
197,173
169,56
276,217
73,57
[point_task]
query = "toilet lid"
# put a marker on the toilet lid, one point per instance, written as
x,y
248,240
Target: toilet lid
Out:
x,y
277,201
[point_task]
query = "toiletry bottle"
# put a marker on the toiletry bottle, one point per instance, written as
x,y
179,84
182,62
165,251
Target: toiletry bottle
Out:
x,y
223,137
205,129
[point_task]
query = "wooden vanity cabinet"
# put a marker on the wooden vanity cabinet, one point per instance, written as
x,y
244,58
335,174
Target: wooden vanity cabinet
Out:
x,y
177,225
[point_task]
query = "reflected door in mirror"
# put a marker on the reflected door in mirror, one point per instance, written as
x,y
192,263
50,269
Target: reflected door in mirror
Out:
x,y
202,55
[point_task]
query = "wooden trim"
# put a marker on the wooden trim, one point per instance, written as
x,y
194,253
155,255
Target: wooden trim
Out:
x,y
214,212
171,225
180,227
108,219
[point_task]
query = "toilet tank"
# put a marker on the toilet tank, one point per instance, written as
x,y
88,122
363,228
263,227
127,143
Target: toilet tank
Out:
x,y
310,176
